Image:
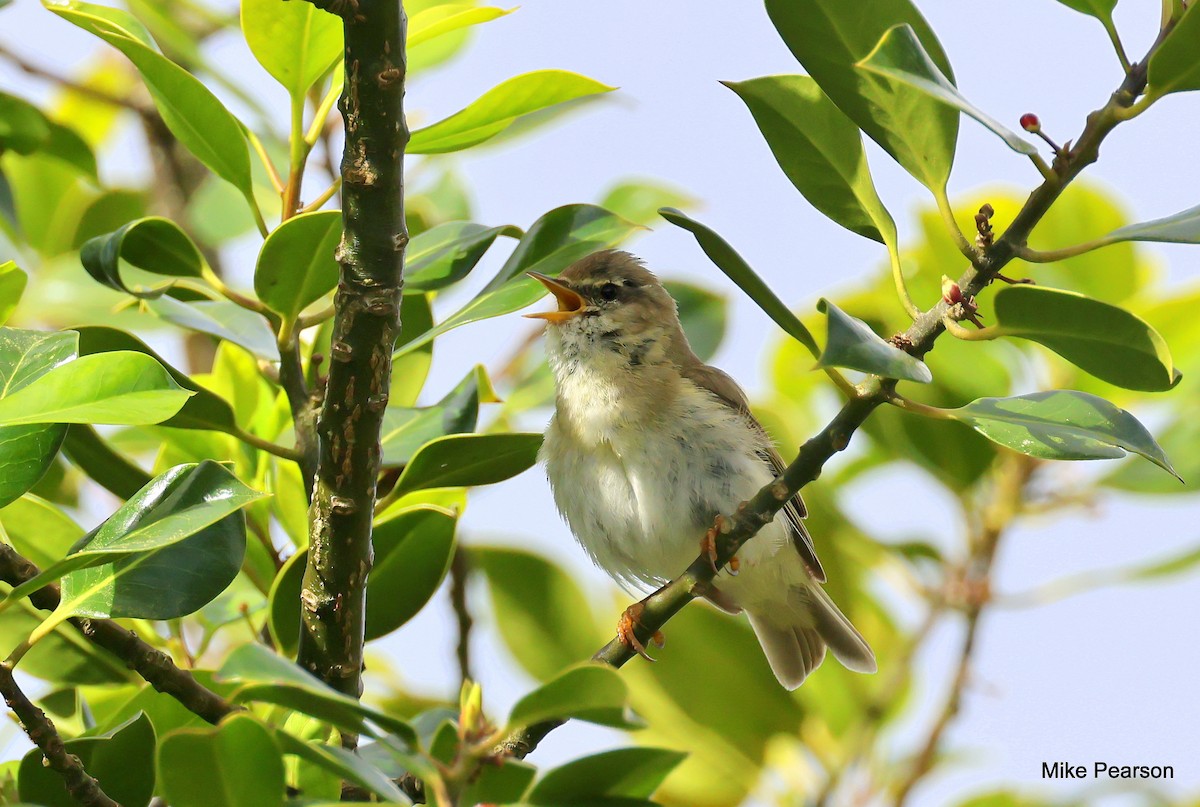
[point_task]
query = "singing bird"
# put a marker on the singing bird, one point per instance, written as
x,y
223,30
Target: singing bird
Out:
x,y
648,446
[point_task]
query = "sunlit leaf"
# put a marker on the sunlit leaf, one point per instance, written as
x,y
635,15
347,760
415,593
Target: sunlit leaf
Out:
x,y
117,388
297,43
819,149
222,319
829,37
12,286
447,253
1104,340
296,265
592,692
1173,66
405,430
239,763
154,244
442,19
1061,425
735,267
462,460
413,551
345,764
851,343
900,55
639,200
633,773
499,108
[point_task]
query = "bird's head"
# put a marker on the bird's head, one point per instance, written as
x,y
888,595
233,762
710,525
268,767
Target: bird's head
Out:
x,y
610,300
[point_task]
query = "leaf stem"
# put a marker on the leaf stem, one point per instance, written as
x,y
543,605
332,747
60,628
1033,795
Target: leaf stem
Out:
x,y
321,115
956,233
283,452
1055,255
268,163
901,285
325,196
909,405
1111,29
249,303
298,157
971,334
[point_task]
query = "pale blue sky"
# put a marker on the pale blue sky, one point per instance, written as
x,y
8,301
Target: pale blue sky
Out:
x,y
1107,675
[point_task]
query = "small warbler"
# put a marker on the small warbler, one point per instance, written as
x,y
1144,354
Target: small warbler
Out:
x,y
648,446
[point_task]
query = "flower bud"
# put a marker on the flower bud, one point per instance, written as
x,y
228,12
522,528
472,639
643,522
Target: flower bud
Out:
x,y
1030,123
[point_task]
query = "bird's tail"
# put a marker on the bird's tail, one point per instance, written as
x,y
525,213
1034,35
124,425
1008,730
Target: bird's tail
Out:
x,y
794,639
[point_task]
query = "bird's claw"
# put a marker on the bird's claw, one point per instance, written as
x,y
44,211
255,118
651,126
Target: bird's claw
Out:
x,y
626,626
708,547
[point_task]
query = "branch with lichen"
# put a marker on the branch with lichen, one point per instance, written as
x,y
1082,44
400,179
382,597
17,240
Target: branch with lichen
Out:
x,y
154,666
987,260
366,322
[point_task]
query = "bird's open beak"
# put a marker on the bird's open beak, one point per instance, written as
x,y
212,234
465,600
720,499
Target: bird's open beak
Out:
x,y
570,304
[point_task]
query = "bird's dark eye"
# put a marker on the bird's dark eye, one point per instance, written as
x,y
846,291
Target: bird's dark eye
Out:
x,y
609,291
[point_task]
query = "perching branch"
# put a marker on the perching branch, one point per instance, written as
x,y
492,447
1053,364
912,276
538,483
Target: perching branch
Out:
x,y
366,323
986,264
153,665
83,788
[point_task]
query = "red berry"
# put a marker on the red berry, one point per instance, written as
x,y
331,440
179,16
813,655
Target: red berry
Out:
x,y
1030,122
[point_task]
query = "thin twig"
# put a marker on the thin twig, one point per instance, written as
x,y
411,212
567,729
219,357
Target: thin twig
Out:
x,y
68,83
153,665
82,787
459,571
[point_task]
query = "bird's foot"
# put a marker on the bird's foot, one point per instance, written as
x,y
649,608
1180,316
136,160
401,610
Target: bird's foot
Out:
x,y
630,620
708,547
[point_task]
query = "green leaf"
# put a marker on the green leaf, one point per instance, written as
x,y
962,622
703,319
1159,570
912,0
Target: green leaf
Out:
x,y
12,286
222,319
819,149
1180,228
499,108
900,55
702,314
204,410
296,266
67,145
154,244
270,678
112,471
1173,66
1061,425
405,430
430,23
174,507
447,253
1178,439
297,43
122,760
852,344
593,692
236,764
502,782
410,367
23,127
38,530
1100,9
412,555
543,616
123,388
623,772
26,452
639,200
829,37
462,460
192,113
1104,340
344,764
65,657
554,242
735,267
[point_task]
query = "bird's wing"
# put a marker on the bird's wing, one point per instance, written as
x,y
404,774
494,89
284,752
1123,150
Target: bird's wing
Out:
x,y
719,383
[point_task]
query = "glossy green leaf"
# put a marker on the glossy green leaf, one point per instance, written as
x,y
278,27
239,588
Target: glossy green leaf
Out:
x,y
499,108
900,56
88,451
296,265
297,43
1173,66
1100,9
12,286
143,534
405,430
26,452
109,211
204,410
543,616
283,616
819,149
829,37
192,113
1179,440
118,388
410,367
270,678
236,764
735,267
68,145
344,764
413,551
592,692
154,244
441,19
554,242
852,344
503,782
65,657
623,772
447,253
702,314
121,759
222,319
1104,340
463,460
1061,425
1180,228
38,529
